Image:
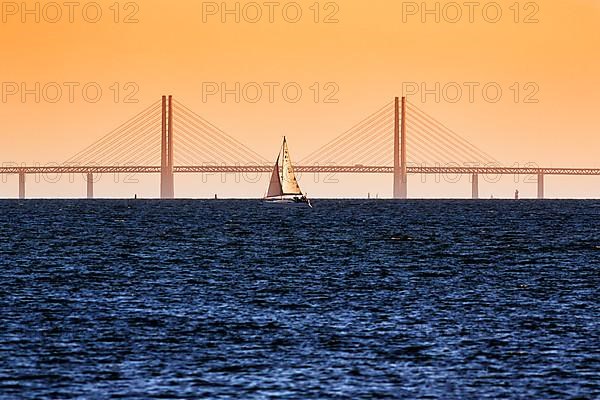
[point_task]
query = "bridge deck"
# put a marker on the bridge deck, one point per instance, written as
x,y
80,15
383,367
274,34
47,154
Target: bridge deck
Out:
x,y
357,169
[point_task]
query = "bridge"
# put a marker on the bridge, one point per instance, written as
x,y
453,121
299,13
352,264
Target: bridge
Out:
x,y
399,139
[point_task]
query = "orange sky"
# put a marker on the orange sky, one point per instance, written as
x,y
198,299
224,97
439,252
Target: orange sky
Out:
x,y
369,54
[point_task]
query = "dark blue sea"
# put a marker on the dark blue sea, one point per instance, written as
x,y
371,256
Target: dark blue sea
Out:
x,y
349,300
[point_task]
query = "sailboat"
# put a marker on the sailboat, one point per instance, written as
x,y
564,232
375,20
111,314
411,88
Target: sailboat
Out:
x,y
284,188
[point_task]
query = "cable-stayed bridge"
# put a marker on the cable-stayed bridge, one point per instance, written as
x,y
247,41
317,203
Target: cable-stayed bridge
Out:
x,y
169,138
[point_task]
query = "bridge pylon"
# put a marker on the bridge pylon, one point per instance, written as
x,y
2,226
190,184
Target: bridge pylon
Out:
x,y
400,171
167,182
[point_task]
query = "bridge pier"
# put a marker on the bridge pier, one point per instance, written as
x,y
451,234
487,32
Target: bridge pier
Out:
x,y
475,187
90,185
400,174
540,186
21,185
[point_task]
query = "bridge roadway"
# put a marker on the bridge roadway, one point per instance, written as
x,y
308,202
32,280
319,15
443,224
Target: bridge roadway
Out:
x,y
357,169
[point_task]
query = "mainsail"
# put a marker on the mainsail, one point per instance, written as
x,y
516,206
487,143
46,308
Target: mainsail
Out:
x,y
288,179
285,184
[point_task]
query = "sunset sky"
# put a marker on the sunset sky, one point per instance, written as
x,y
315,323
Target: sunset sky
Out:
x,y
371,51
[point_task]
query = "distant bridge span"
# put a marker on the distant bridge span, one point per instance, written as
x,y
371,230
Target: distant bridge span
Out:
x,y
369,147
356,169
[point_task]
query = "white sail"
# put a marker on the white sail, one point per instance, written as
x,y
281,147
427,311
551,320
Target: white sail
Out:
x,y
289,183
275,188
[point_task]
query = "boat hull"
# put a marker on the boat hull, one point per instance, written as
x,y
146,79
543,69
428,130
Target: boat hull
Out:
x,y
293,201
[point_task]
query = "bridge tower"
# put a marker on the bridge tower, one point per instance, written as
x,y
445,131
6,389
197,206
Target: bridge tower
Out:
x,y
167,183
400,175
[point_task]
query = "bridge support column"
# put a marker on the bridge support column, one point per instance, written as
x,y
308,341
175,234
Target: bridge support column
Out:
x,y
400,175
475,187
21,185
90,185
167,184
540,186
